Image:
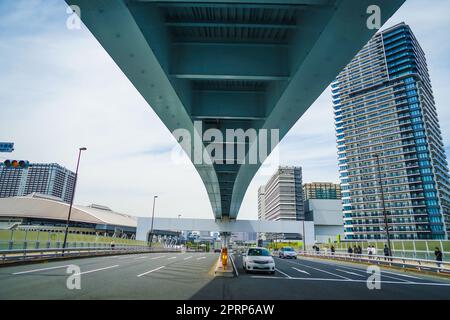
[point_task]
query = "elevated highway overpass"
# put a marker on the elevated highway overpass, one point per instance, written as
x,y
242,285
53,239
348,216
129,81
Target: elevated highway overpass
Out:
x,y
221,65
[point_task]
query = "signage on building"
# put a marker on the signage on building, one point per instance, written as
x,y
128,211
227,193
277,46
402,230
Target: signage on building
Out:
x,y
6,146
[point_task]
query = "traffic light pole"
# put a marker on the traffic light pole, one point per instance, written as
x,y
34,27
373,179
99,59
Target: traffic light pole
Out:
x,y
71,201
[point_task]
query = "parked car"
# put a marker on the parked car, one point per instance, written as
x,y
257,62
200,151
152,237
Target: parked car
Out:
x,y
287,253
258,259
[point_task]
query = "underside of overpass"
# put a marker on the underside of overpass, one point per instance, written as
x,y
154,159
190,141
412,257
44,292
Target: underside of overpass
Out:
x,y
231,64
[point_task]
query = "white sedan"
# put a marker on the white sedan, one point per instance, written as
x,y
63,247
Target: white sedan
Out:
x,y
258,259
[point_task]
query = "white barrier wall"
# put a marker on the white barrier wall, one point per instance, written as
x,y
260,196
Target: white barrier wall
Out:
x,y
177,224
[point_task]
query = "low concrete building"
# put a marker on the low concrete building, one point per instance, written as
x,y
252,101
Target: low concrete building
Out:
x,y
327,217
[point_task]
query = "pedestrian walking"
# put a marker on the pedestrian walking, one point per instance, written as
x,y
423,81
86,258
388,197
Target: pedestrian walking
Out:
x,y
386,252
374,251
438,254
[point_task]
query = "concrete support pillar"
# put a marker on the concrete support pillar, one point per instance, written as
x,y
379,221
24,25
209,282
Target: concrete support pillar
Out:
x,y
226,238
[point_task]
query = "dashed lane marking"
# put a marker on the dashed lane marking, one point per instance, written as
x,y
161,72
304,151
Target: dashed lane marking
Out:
x,y
41,269
302,271
150,271
285,274
352,273
95,270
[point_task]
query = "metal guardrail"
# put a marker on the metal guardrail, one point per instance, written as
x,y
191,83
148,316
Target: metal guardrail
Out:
x,y
420,264
30,254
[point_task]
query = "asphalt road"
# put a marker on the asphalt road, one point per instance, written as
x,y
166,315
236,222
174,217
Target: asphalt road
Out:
x,y
190,276
137,276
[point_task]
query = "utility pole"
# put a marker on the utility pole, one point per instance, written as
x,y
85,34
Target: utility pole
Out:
x,y
153,218
71,200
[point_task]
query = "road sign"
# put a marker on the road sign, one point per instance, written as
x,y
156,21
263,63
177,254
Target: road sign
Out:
x,y
6,146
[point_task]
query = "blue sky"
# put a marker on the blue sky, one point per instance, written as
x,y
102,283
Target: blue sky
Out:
x,y
60,90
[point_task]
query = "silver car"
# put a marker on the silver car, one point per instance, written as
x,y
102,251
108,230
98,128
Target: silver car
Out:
x,y
287,253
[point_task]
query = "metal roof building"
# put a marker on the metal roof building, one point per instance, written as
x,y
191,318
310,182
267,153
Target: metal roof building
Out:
x,y
37,209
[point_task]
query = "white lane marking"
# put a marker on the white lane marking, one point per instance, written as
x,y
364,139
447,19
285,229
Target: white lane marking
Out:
x,y
352,273
37,270
108,257
171,258
302,271
144,257
95,270
187,258
143,274
437,284
382,273
288,276
234,266
321,270
154,258
402,275
394,278
201,258
363,270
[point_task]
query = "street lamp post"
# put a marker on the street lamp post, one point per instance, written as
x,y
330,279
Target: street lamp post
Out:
x,y
153,218
179,231
304,234
71,200
386,224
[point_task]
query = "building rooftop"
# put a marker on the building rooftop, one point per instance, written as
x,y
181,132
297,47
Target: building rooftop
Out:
x,y
47,207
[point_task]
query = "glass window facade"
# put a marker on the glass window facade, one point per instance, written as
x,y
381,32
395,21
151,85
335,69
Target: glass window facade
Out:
x,y
45,178
386,111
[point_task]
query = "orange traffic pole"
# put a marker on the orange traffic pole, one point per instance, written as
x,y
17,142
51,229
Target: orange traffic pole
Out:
x,y
224,256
